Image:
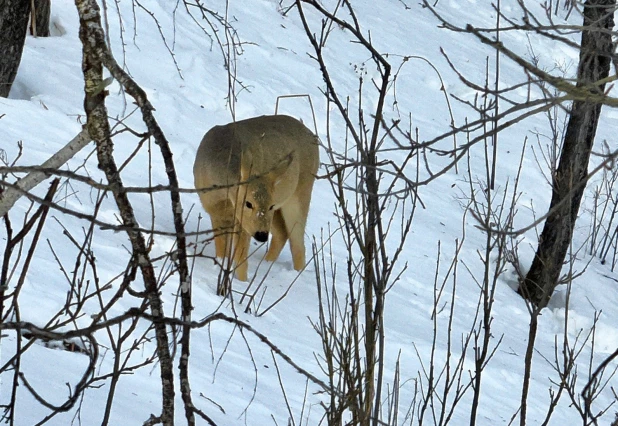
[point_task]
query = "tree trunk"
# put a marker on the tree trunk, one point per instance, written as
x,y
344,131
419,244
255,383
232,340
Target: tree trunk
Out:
x,y
94,52
39,24
569,180
14,16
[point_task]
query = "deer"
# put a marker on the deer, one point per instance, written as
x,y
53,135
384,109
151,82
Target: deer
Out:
x,y
255,178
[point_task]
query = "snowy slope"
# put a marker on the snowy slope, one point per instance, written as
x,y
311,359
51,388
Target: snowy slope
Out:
x,y
234,377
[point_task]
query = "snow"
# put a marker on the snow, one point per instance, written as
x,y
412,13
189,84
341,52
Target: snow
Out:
x,y
234,377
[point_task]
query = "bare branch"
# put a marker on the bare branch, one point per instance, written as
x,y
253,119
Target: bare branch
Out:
x,y
9,196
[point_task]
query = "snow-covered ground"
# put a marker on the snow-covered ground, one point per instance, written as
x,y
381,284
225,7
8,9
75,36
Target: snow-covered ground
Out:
x,y
233,376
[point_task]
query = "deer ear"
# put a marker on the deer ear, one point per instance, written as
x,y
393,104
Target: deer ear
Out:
x,y
246,162
283,166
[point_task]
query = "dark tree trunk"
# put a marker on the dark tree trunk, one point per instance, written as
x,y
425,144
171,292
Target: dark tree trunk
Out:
x,y
569,179
39,24
14,16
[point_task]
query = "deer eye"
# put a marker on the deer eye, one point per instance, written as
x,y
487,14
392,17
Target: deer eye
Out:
x,y
271,207
249,205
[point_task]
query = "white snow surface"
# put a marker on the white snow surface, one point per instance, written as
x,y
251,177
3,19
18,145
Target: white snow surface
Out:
x,y
233,376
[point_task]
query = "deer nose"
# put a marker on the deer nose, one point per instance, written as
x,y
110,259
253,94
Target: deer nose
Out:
x,y
260,236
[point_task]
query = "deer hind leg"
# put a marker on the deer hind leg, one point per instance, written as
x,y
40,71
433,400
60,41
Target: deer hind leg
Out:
x,y
295,213
295,216
279,237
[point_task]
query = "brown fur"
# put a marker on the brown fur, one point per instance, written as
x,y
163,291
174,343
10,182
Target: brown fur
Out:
x,y
275,160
